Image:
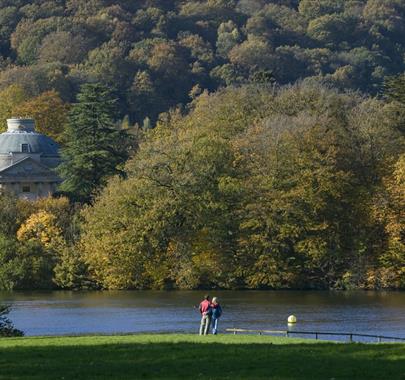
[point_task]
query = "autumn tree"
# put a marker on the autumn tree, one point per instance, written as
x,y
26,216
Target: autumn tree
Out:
x,y
267,186
49,111
53,223
178,204
42,228
10,98
391,274
64,47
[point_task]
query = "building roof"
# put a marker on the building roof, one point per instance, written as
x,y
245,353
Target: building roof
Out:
x,y
21,131
12,142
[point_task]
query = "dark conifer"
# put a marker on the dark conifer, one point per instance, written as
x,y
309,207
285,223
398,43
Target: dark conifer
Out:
x,y
95,147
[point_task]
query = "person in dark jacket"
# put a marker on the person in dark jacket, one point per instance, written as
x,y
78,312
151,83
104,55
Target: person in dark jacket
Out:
x,y
216,314
206,312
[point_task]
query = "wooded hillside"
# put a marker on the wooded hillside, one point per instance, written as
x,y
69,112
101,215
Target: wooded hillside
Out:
x,y
160,53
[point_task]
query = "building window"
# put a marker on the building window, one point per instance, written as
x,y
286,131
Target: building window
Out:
x,y
26,189
25,148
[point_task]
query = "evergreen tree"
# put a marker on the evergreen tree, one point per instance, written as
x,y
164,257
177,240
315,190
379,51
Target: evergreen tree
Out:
x,y
95,149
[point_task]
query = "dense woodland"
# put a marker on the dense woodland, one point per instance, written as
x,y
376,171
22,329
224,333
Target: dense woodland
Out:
x,y
139,47
209,144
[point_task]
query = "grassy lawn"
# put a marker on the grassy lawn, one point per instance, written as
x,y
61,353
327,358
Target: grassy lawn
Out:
x,y
194,357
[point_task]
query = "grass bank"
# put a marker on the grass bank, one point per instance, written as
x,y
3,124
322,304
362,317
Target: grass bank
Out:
x,y
194,357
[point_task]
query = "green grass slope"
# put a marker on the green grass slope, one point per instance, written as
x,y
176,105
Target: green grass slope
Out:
x,y
194,357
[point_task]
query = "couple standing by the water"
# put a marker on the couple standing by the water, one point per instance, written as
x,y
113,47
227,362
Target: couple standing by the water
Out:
x,y
210,313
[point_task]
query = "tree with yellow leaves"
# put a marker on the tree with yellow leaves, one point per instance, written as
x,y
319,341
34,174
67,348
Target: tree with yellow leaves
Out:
x,y
42,227
391,272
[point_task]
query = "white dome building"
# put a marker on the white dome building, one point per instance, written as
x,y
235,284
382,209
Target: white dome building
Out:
x,y
27,161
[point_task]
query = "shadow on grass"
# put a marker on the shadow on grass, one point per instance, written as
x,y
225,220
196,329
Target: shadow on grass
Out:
x,y
208,361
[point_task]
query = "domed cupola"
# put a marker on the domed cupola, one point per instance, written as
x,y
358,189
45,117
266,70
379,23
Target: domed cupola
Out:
x,y
27,160
22,138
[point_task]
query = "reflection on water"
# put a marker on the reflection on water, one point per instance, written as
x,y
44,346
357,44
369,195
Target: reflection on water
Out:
x,y
57,313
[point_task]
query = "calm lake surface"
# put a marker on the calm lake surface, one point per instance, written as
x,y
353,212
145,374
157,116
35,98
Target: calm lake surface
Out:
x,y
69,313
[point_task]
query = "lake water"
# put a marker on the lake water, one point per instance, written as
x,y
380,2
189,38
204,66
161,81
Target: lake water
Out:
x,y
70,313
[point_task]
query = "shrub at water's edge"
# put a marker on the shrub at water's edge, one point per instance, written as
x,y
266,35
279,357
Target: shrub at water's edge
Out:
x,y
6,326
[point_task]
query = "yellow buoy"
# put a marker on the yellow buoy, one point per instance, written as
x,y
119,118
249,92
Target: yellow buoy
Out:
x,y
292,319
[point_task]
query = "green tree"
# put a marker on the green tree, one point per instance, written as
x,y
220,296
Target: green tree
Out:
x,y
395,88
228,37
70,271
9,214
25,265
107,64
395,92
332,28
63,47
8,21
313,9
12,269
95,148
253,53
143,98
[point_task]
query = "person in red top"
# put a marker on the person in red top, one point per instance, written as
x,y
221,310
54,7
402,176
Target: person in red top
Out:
x,y
206,312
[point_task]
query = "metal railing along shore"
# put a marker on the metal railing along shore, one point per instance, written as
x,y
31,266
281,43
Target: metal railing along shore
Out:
x,y
317,334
